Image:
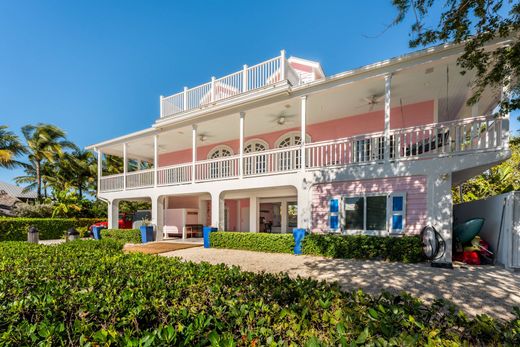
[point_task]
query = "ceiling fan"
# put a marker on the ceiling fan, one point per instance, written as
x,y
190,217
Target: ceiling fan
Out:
x,y
282,117
204,137
373,100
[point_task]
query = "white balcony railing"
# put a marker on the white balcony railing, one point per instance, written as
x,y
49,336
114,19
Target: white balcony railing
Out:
x,y
433,140
250,78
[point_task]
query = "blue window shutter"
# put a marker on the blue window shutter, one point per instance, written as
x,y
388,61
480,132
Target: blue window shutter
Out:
x,y
333,214
397,216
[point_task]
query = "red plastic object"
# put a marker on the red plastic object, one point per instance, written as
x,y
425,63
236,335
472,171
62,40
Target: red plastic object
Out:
x,y
468,257
471,258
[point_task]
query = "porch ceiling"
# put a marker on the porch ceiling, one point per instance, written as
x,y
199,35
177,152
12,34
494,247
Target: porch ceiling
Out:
x,y
439,80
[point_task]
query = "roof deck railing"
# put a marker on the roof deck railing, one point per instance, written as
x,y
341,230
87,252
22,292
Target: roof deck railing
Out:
x,y
250,78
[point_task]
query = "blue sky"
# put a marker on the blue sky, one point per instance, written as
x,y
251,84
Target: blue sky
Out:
x,y
97,68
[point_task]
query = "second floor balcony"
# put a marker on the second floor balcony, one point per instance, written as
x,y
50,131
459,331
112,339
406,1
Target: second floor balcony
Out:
x,y
423,142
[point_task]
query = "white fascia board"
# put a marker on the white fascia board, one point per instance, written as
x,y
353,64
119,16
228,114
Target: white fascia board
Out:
x,y
392,65
122,139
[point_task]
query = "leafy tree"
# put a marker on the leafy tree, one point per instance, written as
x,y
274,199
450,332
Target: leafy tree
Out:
x,y
78,169
65,203
474,23
10,148
45,143
500,179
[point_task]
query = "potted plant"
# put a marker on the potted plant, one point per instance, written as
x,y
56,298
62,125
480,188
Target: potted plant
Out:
x,y
146,231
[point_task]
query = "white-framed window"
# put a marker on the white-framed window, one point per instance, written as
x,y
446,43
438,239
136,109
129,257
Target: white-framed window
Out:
x,y
373,213
255,164
290,160
220,169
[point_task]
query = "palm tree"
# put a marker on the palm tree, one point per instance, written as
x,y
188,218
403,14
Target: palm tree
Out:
x,y
10,148
45,143
79,168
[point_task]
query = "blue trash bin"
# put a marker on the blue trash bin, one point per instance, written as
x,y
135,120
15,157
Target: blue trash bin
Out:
x,y
146,233
206,231
298,234
96,232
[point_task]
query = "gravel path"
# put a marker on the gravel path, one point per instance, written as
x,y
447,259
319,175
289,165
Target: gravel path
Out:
x,y
477,290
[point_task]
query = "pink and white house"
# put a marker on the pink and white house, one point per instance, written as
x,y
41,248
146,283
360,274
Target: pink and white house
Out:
x,y
374,150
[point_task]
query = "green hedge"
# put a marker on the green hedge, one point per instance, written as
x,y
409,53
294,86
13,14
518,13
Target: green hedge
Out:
x,y
262,242
122,235
89,293
407,249
15,229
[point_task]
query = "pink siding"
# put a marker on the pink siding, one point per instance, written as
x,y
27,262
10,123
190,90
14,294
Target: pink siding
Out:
x,y
410,115
413,186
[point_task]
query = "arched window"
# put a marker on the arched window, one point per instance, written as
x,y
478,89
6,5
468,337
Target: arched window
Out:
x,y
220,151
220,168
254,163
290,159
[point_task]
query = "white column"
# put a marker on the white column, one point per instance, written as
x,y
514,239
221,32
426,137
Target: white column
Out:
x,y
304,207
99,169
217,211
158,216
125,164
253,214
388,83
193,151
113,214
440,206
241,149
303,129
155,158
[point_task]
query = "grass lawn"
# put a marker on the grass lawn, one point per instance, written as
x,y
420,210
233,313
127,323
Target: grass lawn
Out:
x,y
91,293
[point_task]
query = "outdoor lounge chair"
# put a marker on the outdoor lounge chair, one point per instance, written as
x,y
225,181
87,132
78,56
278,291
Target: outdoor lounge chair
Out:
x,y
171,232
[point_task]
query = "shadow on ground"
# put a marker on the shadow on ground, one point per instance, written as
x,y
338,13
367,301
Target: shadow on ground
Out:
x,y
476,290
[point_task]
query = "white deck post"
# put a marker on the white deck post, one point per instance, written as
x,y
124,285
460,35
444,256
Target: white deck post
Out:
x,y
303,129
388,83
241,150
282,65
504,126
193,151
125,164
185,99
161,113
244,79
99,169
155,158
212,88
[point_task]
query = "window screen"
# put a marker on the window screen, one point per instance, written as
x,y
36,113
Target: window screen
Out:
x,y
354,213
376,212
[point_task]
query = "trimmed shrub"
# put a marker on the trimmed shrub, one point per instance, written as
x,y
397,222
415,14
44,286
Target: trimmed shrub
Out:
x,y
274,243
15,229
89,293
122,235
407,249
